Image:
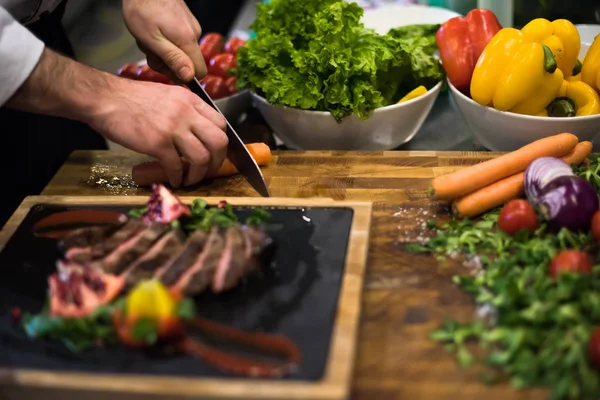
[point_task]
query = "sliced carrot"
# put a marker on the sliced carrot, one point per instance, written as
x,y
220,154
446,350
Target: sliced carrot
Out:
x,y
467,180
507,189
148,173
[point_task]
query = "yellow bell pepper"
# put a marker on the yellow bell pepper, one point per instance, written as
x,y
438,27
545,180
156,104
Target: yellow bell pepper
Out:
x,y
561,36
590,71
419,91
513,74
575,98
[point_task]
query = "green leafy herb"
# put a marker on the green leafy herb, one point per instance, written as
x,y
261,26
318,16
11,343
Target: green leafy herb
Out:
x,y
145,329
537,329
186,309
258,216
416,32
317,55
137,212
76,333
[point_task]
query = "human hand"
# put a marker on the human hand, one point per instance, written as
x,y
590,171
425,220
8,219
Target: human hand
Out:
x,y
167,32
168,123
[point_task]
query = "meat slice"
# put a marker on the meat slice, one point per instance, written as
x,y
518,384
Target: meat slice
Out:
x,y
233,261
87,236
175,267
259,247
130,250
197,278
86,254
162,251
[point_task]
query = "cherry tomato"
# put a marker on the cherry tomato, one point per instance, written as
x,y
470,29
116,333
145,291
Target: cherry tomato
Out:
x,y
596,226
594,347
214,86
149,75
220,64
129,71
231,84
210,49
517,215
570,261
213,38
233,45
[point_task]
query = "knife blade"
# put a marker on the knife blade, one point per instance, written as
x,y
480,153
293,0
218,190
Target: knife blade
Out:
x,y
237,152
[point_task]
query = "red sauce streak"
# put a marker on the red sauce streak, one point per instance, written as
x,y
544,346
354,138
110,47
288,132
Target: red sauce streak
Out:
x,y
60,224
239,365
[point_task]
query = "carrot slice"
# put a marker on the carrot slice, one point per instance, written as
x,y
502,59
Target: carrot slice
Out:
x,y
467,180
507,189
148,173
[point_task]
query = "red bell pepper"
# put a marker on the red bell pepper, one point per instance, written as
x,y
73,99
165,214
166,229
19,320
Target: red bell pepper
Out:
x,y
461,41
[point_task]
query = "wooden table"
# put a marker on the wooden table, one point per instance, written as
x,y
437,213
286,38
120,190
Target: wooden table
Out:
x,y
406,296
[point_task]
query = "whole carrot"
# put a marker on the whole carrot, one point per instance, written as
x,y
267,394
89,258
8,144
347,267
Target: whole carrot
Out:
x,y
462,182
507,189
148,173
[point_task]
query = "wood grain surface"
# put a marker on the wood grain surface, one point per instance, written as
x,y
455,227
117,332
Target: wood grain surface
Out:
x,y
405,295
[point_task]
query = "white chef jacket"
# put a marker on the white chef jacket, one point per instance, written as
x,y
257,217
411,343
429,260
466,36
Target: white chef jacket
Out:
x,y
20,50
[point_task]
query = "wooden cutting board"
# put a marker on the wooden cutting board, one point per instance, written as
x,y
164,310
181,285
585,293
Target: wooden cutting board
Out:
x,y
335,383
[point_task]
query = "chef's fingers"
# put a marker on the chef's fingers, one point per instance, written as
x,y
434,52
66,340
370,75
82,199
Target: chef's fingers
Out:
x,y
209,113
156,63
173,164
214,140
172,56
193,150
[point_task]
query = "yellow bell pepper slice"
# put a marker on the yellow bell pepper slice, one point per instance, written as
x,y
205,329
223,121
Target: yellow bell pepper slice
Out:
x,y
561,36
420,91
575,98
152,300
590,71
513,74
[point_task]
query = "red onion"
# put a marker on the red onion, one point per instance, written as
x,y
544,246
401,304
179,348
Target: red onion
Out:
x,y
568,202
541,172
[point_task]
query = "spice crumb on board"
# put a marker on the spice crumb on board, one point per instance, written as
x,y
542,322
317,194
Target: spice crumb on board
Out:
x,y
110,181
419,215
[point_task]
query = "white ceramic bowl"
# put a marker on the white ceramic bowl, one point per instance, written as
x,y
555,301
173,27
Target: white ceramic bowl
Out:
x,y
386,128
505,131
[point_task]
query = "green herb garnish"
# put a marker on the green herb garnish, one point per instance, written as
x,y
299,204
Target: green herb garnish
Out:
x,y
145,329
535,329
137,212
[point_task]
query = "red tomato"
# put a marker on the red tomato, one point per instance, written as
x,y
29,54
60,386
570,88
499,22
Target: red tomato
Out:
x,y
213,38
231,84
210,49
594,347
233,45
570,261
517,215
220,64
214,86
596,226
149,75
129,71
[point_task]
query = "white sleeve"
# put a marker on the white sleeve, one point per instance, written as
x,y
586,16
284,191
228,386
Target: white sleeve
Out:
x,y
20,52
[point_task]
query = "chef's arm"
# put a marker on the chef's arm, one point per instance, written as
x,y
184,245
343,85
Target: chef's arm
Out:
x,y
38,80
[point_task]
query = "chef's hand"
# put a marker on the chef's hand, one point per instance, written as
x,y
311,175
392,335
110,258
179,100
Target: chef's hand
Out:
x,y
166,122
167,32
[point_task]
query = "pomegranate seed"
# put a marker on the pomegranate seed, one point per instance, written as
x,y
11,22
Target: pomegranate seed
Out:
x,y
222,204
16,314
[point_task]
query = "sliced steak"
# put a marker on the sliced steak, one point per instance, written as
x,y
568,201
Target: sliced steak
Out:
x,y
162,251
132,249
260,247
233,261
105,247
200,275
86,237
176,266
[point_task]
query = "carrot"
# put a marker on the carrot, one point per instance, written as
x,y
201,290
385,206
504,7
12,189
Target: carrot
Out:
x,y
467,180
147,173
507,189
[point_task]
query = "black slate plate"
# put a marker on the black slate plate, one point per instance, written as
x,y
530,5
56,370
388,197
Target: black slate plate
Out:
x,y
296,297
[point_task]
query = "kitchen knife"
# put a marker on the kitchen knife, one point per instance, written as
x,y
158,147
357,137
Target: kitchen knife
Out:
x,y
237,152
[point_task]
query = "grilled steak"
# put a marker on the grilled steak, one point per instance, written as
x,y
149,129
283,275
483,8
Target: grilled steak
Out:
x,y
103,248
259,247
162,251
180,263
130,250
232,263
86,237
200,275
